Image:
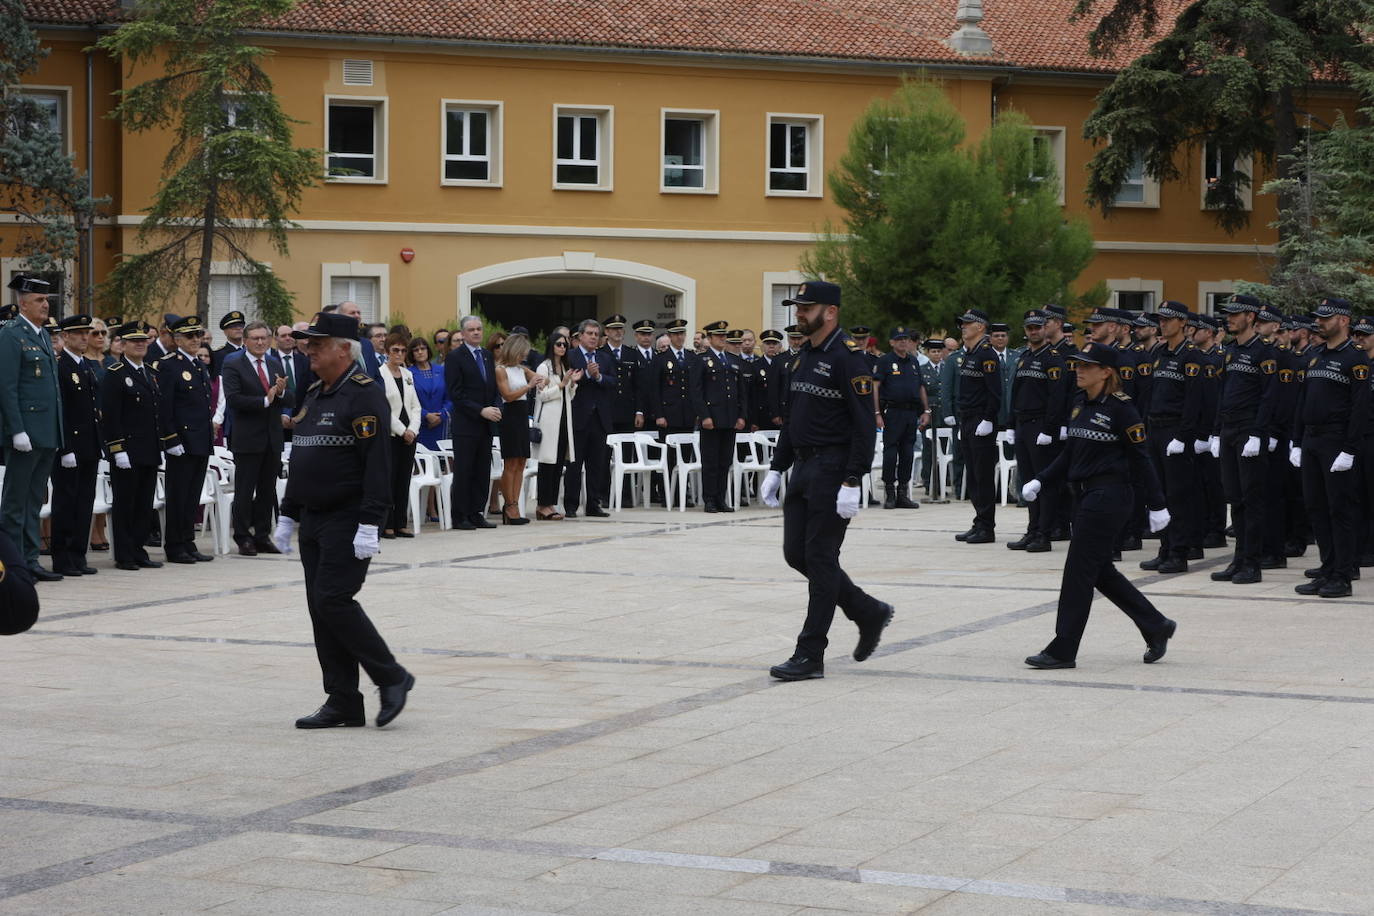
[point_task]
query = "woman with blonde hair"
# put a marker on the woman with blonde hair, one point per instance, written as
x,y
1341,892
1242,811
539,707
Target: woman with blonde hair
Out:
x,y
514,381
553,419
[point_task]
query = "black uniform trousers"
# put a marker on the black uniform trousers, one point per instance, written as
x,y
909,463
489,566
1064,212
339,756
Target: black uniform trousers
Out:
x,y
900,429
812,534
255,494
1275,516
344,636
717,455
1213,495
471,477
184,480
73,496
1244,481
1332,504
1364,466
1297,528
131,511
1102,510
1031,459
591,452
1180,476
402,469
980,457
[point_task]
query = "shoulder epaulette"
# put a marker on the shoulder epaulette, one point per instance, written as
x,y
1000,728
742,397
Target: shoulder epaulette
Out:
x,y
1122,395
115,367
851,343
362,378
315,384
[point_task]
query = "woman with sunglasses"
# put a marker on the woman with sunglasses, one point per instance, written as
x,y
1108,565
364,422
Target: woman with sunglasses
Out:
x,y
98,348
399,386
553,418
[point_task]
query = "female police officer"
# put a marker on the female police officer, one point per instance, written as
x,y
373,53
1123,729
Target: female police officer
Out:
x,y
1105,453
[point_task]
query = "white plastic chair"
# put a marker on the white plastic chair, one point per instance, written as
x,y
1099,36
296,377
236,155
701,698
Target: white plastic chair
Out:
x,y
751,460
427,475
1005,466
944,457
650,456
687,450
104,495
219,480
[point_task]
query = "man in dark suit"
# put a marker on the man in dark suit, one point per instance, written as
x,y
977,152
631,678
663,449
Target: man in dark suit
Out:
x,y
470,374
255,394
296,366
73,478
162,344
130,418
592,416
184,386
232,326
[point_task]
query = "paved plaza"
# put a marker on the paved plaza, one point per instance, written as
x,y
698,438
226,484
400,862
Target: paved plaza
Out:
x,y
594,732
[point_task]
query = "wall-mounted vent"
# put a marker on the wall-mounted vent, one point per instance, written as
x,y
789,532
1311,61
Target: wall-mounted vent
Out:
x,y
357,72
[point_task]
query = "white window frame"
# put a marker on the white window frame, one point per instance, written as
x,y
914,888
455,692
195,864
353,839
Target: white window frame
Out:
x,y
772,278
815,151
1137,285
349,269
1244,164
64,93
227,269
1057,140
1207,288
1149,192
710,149
381,133
605,146
495,112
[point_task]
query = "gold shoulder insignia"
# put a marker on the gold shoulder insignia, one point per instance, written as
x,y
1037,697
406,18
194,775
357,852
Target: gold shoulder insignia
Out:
x,y
1269,366
1136,433
365,427
116,367
1121,395
362,378
862,385
851,343
1360,371
1192,369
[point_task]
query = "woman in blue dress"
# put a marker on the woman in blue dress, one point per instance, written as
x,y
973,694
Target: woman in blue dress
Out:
x,y
429,385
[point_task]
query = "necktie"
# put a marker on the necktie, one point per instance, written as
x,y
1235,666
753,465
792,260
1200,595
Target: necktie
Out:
x,y
481,363
289,364
262,376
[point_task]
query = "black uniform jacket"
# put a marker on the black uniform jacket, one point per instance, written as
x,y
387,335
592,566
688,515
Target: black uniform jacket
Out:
x,y
1247,386
830,403
980,383
80,408
668,383
184,385
1038,387
1334,400
1177,393
1106,439
131,417
715,388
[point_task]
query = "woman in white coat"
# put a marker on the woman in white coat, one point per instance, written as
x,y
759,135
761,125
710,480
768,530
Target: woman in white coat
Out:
x,y
406,415
553,418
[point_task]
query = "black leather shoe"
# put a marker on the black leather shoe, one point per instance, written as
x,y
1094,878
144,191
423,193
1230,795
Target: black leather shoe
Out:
x,y
889,500
723,507
870,634
712,508
982,536
266,547
393,698
184,559
128,567
1314,573
1046,660
1021,542
480,521
906,502
1335,588
201,557
598,512
1159,644
1195,553
1214,540
149,564
1311,587
1272,561
1059,534
965,535
87,570
1152,564
1039,545
572,513
798,668
1172,566
1247,575
1132,543
67,571
247,549
465,525
1294,549
1366,560
328,717
1224,575
42,575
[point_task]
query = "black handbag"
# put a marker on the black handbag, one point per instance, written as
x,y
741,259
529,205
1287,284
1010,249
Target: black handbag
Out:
x,y
536,435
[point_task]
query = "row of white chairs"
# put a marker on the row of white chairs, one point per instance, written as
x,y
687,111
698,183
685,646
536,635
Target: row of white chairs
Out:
x,y
939,442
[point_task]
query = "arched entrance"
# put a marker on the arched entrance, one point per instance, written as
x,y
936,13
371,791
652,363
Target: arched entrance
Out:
x,y
541,293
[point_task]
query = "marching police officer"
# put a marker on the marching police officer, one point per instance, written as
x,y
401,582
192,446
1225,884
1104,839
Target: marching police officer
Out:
x,y
232,324
1038,406
187,437
980,401
74,476
766,397
338,493
828,443
904,412
1247,403
131,420
719,408
1332,418
1105,452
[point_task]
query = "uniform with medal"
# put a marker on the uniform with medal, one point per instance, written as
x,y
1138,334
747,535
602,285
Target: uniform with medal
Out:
x,y
667,385
719,408
626,405
131,420
767,395
187,438
904,408
74,474
979,400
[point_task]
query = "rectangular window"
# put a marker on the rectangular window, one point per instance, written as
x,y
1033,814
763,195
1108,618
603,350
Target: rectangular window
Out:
x,y
51,115
356,134
689,151
1136,301
230,292
1218,162
362,290
1047,156
472,142
780,316
1133,188
582,149
794,155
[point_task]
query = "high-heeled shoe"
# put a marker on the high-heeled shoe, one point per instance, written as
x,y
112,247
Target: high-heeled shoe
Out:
x,y
508,519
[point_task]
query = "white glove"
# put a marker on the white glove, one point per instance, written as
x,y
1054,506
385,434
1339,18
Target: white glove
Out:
x,y
21,442
69,460
1273,443
1251,447
1174,447
1031,491
1011,436
122,461
366,543
847,501
1295,456
1214,446
1063,433
1344,462
177,451
281,538
984,428
1043,439
772,482
1201,446
1159,519
949,421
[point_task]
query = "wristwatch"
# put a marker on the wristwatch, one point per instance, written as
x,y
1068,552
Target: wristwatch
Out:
x,y
851,481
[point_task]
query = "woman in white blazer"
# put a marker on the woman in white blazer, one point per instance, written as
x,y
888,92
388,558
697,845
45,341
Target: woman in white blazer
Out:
x,y
553,419
406,415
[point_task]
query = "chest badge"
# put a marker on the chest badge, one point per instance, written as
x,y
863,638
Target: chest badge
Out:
x,y
186,376
128,380
710,364
365,427
863,385
76,380
1076,412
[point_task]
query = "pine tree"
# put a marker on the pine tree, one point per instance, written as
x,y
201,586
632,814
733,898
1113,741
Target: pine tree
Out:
x,y
1230,72
39,184
231,158
933,228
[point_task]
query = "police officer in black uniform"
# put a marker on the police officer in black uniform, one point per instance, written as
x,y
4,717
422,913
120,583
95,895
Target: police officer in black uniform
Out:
x,y
1206,331
1297,527
719,408
904,412
1332,419
766,398
338,493
668,384
187,438
827,441
626,406
1104,454
74,473
232,324
1038,408
1362,331
795,339
1247,402
980,401
131,419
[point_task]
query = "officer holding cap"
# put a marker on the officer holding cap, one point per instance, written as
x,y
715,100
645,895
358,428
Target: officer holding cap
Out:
x,y
338,493
979,403
131,420
187,437
827,441
30,418
73,477
905,411
1038,405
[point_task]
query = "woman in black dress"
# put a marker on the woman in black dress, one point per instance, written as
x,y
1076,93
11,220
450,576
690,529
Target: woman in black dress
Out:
x,y
514,380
